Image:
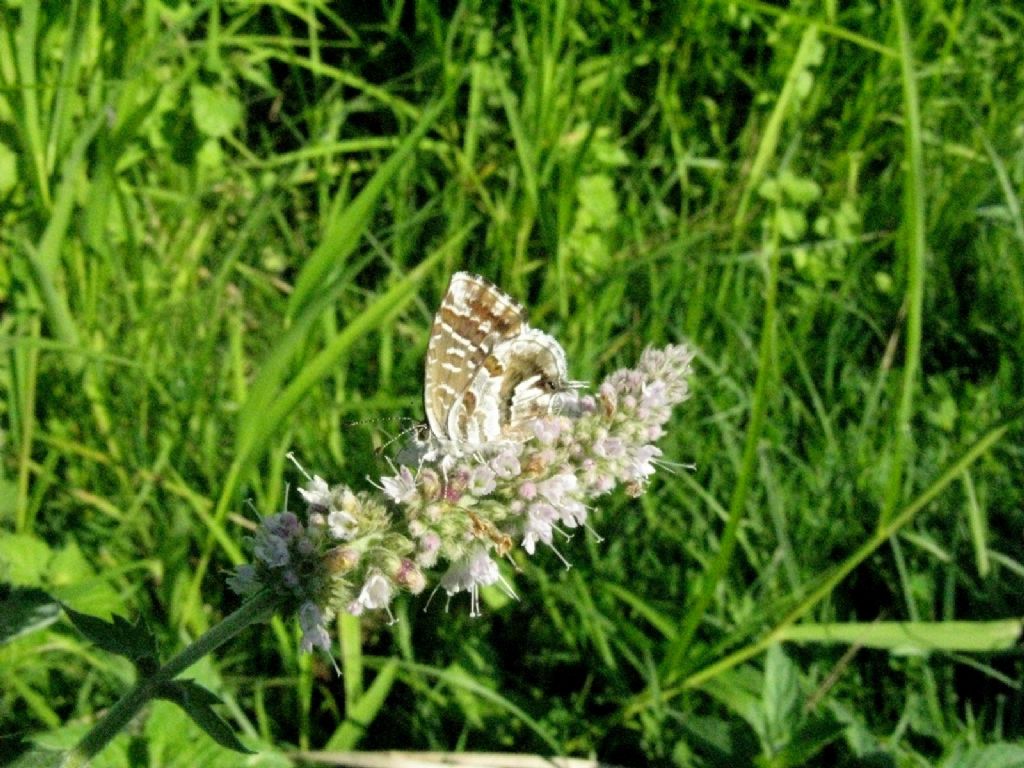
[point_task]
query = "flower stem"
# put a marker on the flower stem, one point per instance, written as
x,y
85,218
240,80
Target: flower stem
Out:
x,y
261,607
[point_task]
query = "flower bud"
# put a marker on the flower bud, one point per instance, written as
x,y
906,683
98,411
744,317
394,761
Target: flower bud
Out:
x,y
455,487
410,577
635,488
341,560
430,484
387,561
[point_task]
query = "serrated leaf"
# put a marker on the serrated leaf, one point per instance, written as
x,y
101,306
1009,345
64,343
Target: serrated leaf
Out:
x,y
739,690
198,703
118,635
24,610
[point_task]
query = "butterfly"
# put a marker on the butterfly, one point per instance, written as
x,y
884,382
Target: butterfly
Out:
x,y
488,374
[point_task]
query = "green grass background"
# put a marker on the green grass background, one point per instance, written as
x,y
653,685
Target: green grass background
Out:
x,y
224,228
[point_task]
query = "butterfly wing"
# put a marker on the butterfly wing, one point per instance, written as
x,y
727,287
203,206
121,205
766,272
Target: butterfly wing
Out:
x,y
463,375
534,381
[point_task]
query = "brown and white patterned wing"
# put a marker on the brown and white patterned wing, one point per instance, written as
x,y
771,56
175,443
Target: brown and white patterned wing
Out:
x,y
463,377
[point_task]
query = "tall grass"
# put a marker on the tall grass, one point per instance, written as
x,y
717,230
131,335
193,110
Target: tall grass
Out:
x,y
224,229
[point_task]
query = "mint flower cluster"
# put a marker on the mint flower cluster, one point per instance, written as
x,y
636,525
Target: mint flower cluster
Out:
x,y
460,515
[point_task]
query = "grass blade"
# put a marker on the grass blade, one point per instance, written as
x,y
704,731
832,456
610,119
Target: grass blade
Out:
x,y
978,525
695,613
359,717
342,233
902,637
915,252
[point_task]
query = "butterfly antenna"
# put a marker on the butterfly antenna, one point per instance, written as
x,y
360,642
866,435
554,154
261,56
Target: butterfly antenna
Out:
x,y
416,427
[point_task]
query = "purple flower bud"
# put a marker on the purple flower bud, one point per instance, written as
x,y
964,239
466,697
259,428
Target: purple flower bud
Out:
x,y
314,634
244,581
271,549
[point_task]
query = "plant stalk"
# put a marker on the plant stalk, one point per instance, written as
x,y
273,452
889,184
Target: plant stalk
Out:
x,y
261,607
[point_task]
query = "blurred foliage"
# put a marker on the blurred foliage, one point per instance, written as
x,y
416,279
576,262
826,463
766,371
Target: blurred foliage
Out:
x,y
631,171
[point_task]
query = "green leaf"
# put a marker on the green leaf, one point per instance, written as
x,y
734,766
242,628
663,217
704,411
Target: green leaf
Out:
x,y
598,201
769,190
792,223
23,558
215,111
1002,755
351,640
809,739
118,636
198,704
472,711
69,566
725,741
738,691
780,694
908,637
72,580
798,190
24,610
